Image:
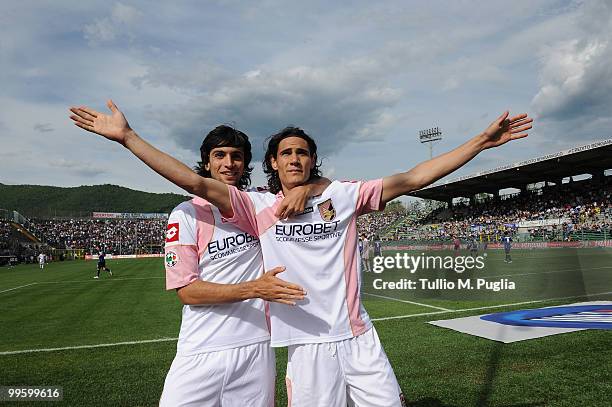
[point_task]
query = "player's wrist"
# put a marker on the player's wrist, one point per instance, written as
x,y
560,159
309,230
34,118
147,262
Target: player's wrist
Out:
x,y
128,137
249,290
480,142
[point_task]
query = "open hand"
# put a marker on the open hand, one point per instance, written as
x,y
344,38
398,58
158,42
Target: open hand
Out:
x,y
114,126
504,129
271,288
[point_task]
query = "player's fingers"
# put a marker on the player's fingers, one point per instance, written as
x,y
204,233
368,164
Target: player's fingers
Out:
x,y
112,106
288,212
279,211
82,114
289,285
292,291
518,136
84,126
276,270
89,111
521,129
518,117
288,296
80,120
502,117
521,122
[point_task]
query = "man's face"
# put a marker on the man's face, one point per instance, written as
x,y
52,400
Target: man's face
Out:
x,y
226,164
293,162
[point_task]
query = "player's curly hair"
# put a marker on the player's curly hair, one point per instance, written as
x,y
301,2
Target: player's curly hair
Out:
x,y
274,183
226,136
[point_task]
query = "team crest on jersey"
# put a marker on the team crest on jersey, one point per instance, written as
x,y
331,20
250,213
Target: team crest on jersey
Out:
x,y
171,259
172,233
327,210
578,316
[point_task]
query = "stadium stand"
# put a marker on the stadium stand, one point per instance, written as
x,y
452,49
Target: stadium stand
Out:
x,y
115,236
575,210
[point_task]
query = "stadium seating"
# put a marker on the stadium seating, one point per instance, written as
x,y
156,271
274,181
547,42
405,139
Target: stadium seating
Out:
x,y
116,236
586,205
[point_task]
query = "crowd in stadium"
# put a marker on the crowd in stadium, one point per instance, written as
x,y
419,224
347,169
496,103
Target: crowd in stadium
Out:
x,y
117,236
372,223
582,207
5,233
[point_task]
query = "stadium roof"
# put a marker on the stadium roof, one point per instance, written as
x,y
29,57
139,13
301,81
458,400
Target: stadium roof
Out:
x,y
592,158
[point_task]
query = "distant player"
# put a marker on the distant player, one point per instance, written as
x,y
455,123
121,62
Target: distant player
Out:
x,y
41,260
474,246
507,242
365,253
102,265
456,246
377,246
485,244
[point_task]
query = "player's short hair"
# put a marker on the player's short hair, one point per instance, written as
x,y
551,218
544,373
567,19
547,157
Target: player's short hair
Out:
x,y
274,183
226,136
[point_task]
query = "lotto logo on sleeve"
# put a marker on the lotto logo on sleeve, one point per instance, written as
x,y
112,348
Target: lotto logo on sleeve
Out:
x,y
172,233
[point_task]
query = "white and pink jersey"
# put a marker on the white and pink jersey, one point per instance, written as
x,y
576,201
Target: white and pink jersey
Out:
x,y
200,245
320,252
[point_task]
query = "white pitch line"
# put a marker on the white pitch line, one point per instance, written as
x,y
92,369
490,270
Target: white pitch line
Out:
x,y
82,281
490,307
408,302
547,272
104,345
410,315
101,345
16,288
96,280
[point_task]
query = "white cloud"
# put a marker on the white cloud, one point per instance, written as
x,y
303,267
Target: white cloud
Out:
x,y
362,80
339,103
575,78
107,29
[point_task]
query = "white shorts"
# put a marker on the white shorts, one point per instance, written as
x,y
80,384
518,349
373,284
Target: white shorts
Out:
x,y
238,377
353,372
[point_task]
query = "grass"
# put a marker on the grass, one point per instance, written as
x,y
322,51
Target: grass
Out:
x,y
63,307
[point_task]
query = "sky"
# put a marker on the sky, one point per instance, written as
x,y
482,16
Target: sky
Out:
x,y
361,77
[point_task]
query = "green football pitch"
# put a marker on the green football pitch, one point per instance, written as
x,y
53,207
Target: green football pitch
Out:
x,y
110,342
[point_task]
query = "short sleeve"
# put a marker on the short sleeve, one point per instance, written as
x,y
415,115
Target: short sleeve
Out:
x,y
370,194
244,211
181,253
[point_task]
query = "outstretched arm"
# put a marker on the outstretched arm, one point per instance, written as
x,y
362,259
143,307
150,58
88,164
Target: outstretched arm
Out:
x,y
116,128
501,131
267,287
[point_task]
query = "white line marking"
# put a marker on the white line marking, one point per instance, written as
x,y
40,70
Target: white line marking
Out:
x,y
101,345
95,280
410,315
16,288
104,345
547,272
408,302
490,307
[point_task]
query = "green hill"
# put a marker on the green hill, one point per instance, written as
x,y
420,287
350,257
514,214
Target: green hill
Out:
x,y
44,201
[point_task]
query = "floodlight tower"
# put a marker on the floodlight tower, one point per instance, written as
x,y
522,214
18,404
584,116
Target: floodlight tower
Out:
x,y
429,136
